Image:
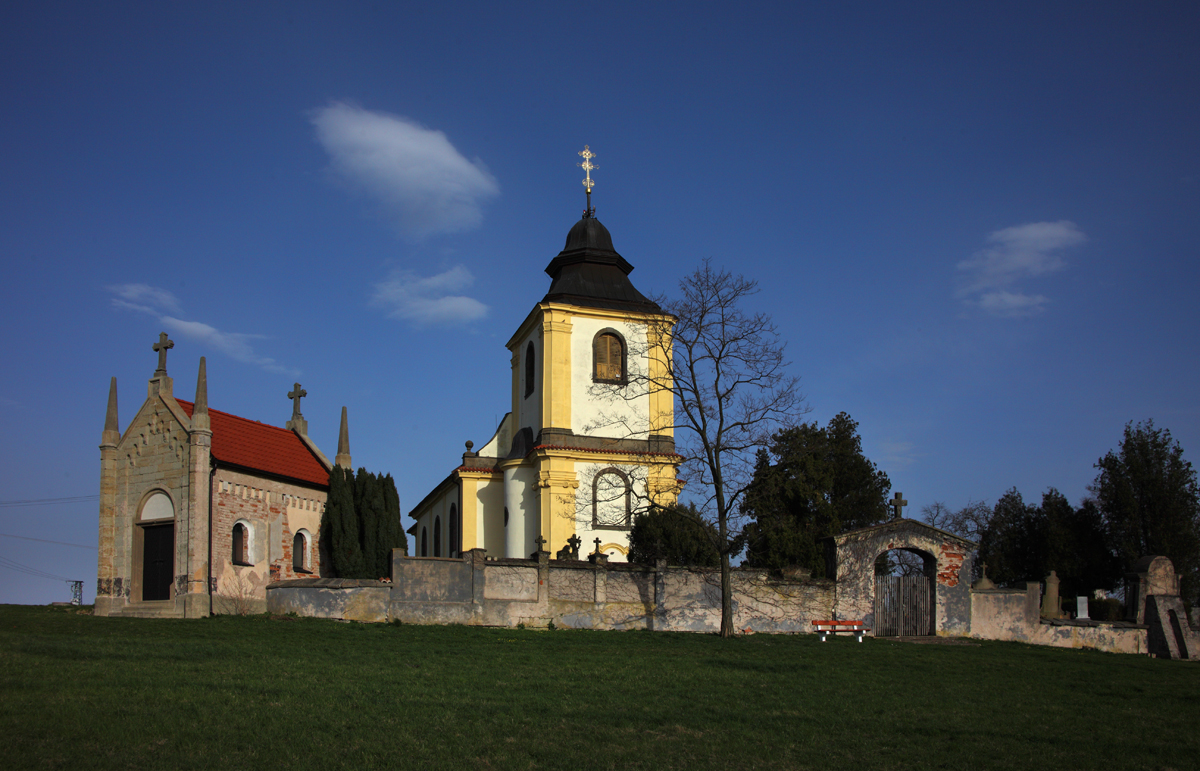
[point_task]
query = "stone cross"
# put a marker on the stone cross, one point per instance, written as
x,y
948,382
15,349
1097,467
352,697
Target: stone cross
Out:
x,y
541,543
597,542
295,396
161,347
898,503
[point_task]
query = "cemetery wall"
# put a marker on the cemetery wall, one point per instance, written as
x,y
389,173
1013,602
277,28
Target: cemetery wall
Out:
x,y
475,590
1015,615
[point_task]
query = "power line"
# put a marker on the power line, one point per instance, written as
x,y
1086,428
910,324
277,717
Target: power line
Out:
x,y
43,540
48,501
5,562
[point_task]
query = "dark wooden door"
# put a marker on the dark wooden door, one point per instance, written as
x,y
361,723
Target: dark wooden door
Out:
x,y
903,606
158,561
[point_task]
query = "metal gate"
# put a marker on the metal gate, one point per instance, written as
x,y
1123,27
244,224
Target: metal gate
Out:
x,y
903,606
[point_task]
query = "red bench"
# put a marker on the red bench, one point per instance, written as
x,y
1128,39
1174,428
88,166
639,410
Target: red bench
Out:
x,y
833,627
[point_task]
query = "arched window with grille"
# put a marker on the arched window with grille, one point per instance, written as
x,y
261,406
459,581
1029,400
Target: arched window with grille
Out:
x,y
611,499
530,369
437,536
608,357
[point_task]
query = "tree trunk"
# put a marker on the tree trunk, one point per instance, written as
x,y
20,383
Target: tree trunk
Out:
x,y
726,598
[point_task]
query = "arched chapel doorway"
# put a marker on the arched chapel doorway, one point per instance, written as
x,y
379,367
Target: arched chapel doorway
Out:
x,y
154,549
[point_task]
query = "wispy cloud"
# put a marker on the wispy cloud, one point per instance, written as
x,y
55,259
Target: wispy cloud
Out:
x,y
429,300
166,308
422,184
990,277
897,455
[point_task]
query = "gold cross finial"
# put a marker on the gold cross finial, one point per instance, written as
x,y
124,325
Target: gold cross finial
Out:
x,y
587,166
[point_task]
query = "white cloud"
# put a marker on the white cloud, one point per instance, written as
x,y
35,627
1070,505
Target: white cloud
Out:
x,y
423,185
989,276
161,304
1013,304
145,298
429,300
897,455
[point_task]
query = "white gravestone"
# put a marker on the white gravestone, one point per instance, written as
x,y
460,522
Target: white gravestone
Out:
x,y
1081,607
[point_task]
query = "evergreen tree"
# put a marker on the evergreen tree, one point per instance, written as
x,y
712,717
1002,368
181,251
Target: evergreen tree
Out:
x,y
340,526
813,482
365,500
1150,502
391,528
677,534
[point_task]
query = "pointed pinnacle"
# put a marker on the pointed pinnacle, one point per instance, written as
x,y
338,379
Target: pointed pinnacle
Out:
x,y
201,389
110,417
343,449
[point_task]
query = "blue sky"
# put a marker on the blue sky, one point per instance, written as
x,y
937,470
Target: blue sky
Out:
x,y
976,225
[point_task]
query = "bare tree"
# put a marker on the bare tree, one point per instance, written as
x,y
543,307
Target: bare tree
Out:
x,y
969,522
727,373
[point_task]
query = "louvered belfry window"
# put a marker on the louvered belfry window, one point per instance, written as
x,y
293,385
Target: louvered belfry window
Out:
x,y
609,356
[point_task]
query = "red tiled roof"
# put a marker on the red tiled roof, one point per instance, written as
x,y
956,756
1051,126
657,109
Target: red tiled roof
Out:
x,y
257,446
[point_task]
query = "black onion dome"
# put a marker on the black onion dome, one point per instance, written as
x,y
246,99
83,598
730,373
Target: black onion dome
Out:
x,y
589,272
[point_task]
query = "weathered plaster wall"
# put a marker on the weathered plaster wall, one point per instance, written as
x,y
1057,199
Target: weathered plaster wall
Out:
x,y
507,592
341,598
1015,615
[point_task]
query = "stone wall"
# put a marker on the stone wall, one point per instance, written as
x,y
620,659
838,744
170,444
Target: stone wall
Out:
x,y
475,590
1015,615
349,599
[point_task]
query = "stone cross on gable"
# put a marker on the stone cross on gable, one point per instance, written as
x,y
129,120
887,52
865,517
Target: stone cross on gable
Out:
x,y
161,347
898,503
295,396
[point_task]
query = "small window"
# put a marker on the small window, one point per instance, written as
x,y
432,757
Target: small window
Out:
x,y
530,370
300,559
241,544
424,542
608,358
437,536
610,500
453,545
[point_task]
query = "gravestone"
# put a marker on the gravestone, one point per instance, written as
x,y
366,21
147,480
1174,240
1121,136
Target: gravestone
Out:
x,y
1081,608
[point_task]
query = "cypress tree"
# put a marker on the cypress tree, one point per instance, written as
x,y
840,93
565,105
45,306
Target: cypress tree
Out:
x,y
364,485
395,527
388,522
341,526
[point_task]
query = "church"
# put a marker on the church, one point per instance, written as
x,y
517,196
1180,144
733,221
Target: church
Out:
x,y
588,442
201,509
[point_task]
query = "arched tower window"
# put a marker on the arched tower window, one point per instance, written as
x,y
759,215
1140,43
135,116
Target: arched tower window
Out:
x,y
530,369
611,499
437,536
424,542
453,546
608,357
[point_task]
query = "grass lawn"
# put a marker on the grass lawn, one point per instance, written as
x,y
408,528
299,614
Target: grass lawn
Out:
x,y
82,692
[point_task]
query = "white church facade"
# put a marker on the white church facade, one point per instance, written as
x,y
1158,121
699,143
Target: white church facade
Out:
x,y
588,441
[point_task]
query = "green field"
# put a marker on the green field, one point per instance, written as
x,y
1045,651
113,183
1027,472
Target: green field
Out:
x,y
82,692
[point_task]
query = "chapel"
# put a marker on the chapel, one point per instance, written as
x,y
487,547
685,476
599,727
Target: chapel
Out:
x,y
588,442
201,509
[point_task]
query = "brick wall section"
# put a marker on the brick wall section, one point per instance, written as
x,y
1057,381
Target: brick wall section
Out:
x,y
275,510
950,564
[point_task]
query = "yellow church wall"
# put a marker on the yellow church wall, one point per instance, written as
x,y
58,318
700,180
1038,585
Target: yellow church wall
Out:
x,y
489,497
